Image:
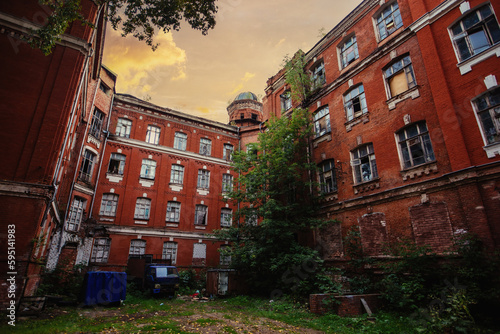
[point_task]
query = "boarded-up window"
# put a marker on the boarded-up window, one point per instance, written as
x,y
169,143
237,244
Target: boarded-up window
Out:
x,y
329,241
373,233
431,226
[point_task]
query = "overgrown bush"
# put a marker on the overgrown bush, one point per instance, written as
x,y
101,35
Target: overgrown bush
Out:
x,y
63,281
190,281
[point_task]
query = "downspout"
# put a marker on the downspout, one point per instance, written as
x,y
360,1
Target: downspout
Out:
x,y
102,154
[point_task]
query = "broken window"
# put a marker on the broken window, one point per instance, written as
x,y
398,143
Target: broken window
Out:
x,y
399,76
488,111
108,205
97,121
203,179
226,217
389,20
363,164
327,177
173,212
170,251
475,32
286,100
415,145
349,51
227,183
228,152
142,208
87,166
200,215
355,102
116,163
205,146
322,121
100,251
318,75
76,213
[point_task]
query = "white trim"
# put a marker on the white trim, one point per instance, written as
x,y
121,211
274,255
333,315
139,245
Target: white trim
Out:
x,y
466,65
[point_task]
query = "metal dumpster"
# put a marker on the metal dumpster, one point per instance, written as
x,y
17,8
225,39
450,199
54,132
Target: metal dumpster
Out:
x,y
104,287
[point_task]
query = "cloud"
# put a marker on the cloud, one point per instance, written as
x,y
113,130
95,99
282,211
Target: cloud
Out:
x,y
139,68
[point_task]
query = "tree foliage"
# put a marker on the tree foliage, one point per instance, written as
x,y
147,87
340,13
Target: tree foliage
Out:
x,y
140,18
275,188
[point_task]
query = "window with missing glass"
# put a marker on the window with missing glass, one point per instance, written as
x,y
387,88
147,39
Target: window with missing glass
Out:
x,y
318,77
227,154
399,76
488,111
170,251
96,125
226,217
475,32
87,167
100,250
203,179
389,20
116,163
200,215
76,213
363,164
227,183
327,177
321,120
348,51
415,145
286,100
355,102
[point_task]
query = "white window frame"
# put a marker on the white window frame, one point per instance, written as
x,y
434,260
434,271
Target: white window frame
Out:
x,y
153,135
100,250
321,120
364,156
203,179
489,109
109,204
286,100
137,247
327,177
123,127
173,212
205,146
462,40
357,92
170,251
177,174
117,159
227,154
318,74
227,183
75,214
387,15
142,208
148,169
400,67
416,136
180,141
226,217
348,47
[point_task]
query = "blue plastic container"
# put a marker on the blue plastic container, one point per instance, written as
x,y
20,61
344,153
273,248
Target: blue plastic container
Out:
x,y
104,287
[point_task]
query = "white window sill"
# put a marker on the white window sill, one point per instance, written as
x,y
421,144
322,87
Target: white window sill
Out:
x,y
412,93
140,222
203,192
176,187
420,170
363,118
199,227
492,150
146,182
172,224
114,177
466,65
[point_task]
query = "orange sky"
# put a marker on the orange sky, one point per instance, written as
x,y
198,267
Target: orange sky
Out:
x,y
201,75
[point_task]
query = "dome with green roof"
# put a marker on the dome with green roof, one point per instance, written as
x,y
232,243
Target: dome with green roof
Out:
x,y
246,96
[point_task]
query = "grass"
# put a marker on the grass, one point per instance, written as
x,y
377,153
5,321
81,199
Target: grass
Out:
x,y
232,315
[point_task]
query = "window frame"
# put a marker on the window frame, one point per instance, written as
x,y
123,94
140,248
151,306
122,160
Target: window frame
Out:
x,y
360,153
344,52
227,153
224,259
97,123
327,187
85,174
119,159
226,217
142,208
380,17
203,179
148,169
286,100
483,24
227,183
205,146
350,113
76,214
491,110
153,134
177,174
109,204
180,140
167,245
174,208
421,137
98,246
393,70
137,245
123,130
201,209
322,115
318,74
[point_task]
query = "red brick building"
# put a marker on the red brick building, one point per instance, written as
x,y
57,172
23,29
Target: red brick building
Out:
x,y
406,115
161,187
46,105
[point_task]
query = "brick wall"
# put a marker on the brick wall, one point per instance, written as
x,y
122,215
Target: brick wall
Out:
x,y
347,305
